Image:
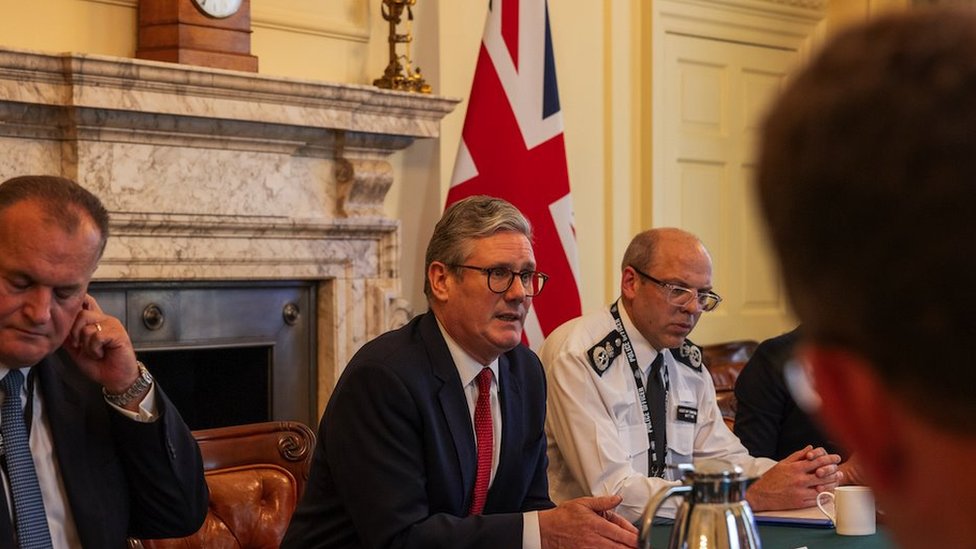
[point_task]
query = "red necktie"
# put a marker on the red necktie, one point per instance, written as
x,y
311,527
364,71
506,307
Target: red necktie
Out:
x,y
484,434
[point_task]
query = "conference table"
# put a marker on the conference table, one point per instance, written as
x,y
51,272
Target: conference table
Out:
x,y
793,537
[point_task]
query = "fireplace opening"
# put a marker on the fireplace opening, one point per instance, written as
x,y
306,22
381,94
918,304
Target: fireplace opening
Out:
x,y
226,353
215,387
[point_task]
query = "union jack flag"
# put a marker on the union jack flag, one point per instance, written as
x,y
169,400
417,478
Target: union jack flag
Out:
x,y
512,148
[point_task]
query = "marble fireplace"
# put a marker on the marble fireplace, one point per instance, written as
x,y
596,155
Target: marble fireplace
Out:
x,y
221,180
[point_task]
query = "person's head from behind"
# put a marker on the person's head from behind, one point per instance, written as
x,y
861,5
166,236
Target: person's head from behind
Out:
x,y
666,285
866,170
52,234
481,275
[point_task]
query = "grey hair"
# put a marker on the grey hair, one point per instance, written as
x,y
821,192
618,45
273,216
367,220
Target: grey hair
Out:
x,y
467,220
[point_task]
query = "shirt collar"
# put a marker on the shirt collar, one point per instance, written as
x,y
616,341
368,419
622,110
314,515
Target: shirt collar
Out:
x,y
643,350
468,368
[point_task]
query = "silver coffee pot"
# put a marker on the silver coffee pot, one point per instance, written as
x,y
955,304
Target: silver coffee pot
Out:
x,y
714,513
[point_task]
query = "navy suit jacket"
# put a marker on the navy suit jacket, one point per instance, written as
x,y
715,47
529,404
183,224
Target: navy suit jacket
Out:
x,y
767,419
123,478
394,464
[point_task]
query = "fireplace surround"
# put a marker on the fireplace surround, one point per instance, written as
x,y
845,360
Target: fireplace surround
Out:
x,y
215,176
226,353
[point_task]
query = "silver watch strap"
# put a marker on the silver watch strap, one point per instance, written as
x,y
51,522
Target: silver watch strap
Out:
x,y
138,387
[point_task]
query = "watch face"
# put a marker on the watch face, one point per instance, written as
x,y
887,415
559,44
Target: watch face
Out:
x,y
219,8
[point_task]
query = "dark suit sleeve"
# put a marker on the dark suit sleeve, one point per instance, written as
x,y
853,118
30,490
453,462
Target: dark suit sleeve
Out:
x,y
537,497
161,460
762,399
373,453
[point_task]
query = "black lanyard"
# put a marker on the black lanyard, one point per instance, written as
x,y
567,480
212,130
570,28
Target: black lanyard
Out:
x,y
655,467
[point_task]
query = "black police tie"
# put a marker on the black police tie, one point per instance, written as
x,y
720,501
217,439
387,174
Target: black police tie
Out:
x,y
657,395
29,516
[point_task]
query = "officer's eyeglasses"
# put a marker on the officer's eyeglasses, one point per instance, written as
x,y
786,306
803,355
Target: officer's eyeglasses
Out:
x,y
679,296
500,279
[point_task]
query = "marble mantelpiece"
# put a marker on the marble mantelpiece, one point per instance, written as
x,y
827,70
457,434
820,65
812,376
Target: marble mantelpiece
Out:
x,y
221,175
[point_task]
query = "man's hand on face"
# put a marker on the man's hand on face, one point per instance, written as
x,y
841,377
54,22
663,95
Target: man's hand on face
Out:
x,y
794,482
101,347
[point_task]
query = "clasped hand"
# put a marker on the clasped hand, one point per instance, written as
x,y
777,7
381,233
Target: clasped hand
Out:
x,y
794,482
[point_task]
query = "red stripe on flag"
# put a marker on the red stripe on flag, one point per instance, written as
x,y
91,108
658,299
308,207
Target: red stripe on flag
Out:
x,y
510,29
531,179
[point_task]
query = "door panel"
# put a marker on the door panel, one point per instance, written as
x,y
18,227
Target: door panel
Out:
x,y
716,92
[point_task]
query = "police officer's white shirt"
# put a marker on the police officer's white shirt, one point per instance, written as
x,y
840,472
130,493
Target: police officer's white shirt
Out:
x,y
60,521
595,428
468,369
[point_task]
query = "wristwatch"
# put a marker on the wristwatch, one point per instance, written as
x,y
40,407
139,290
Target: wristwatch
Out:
x,y
138,387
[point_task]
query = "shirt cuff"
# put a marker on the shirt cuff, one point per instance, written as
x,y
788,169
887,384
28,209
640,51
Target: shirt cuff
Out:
x,y
531,538
147,408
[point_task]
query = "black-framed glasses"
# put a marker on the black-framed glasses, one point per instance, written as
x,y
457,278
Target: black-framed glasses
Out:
x,y
679,296
500,279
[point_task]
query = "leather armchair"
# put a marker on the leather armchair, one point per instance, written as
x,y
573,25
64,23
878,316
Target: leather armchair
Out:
x,y
724,362
256,474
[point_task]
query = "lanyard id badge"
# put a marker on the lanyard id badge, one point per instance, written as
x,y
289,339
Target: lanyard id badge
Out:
x,y
655,466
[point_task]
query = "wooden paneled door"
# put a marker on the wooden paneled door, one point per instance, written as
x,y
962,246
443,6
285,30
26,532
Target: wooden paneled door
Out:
x,y
714,95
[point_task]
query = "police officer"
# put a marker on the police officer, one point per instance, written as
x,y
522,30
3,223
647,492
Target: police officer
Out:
x,y
628,396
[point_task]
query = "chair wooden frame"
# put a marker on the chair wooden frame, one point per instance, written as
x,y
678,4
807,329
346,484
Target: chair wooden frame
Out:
x,y
274,457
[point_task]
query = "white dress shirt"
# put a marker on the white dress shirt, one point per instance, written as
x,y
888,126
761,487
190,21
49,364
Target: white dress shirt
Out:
x,y
597,439
469,368
64,534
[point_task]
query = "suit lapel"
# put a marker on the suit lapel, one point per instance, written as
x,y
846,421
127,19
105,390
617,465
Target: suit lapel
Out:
x,y
510,455
453,404
66,421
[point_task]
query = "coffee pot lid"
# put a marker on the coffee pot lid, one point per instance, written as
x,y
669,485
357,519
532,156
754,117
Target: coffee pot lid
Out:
x,y
716,481
714,469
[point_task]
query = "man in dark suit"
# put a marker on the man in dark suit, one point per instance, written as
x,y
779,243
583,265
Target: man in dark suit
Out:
x,y
111,456
434,434
768,421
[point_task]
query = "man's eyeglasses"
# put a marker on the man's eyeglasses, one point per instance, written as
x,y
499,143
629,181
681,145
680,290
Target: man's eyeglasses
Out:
x,y
679,296
500,279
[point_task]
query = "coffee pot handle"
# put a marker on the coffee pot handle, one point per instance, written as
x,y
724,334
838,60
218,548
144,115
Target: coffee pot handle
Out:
x,y
648,517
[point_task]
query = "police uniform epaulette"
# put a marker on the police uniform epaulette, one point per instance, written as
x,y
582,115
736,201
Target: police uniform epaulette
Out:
x,y
689,354
602,354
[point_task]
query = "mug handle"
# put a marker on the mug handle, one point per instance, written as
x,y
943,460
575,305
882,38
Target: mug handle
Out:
x,y
824,511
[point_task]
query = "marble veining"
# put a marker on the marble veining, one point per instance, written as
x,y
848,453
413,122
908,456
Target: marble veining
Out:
x,y
222,175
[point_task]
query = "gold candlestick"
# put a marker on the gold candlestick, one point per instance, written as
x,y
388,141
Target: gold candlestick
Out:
x,y
400,76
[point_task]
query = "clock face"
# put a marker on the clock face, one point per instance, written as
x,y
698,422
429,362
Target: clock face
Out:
x,y
219,8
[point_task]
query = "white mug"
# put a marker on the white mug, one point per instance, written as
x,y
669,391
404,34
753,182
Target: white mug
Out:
x,y
853,508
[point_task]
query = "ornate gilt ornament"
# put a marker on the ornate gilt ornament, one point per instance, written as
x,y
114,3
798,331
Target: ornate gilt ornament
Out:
x,y
399,74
